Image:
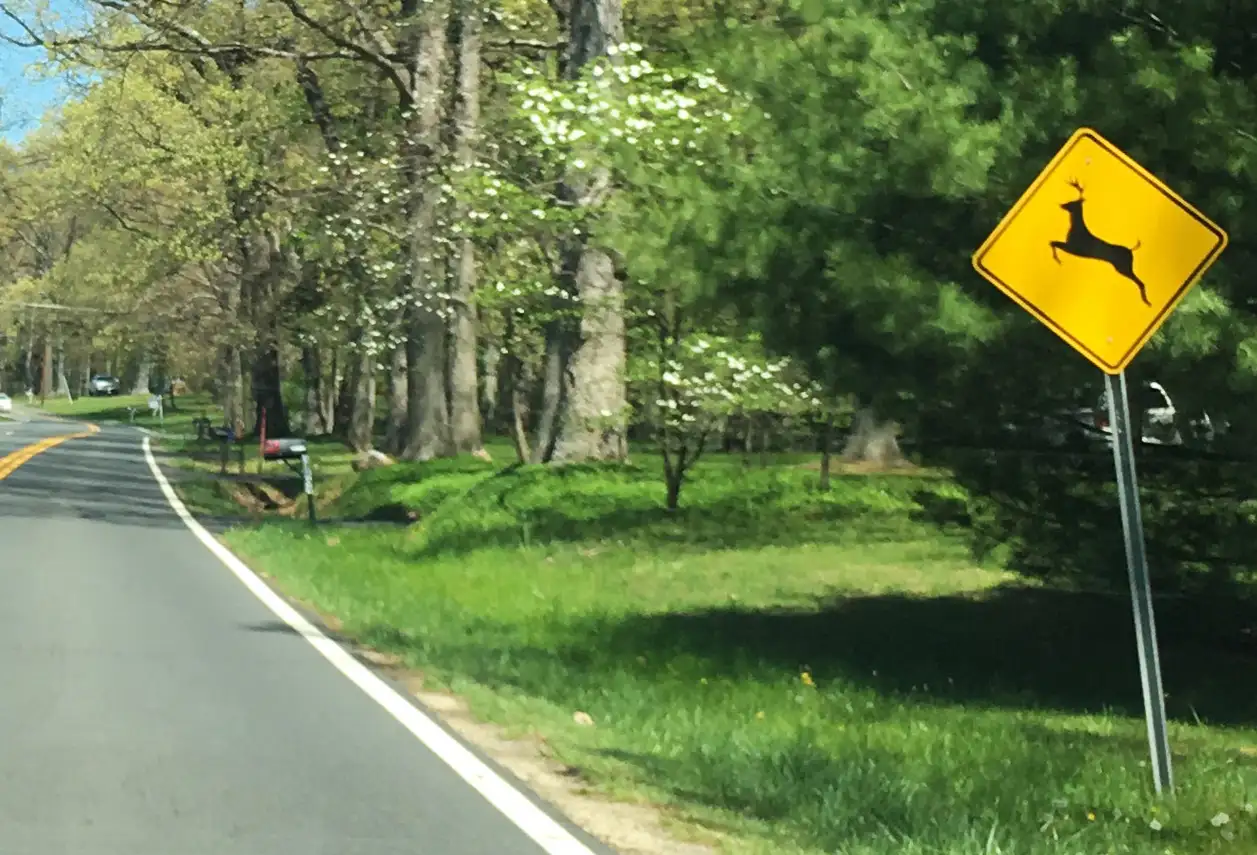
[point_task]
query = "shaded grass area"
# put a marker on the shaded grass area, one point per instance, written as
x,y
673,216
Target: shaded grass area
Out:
x,y
1055,517
796,670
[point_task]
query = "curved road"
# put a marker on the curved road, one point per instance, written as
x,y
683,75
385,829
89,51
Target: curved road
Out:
x,y
152,705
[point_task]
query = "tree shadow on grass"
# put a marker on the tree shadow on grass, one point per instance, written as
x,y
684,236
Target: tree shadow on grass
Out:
x,y
1055,516
1013,647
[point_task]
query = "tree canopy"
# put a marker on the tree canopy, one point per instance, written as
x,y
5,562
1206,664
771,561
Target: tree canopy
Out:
x,y
499,216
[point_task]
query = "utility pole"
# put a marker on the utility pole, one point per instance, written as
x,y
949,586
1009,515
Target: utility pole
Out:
x,y
45,383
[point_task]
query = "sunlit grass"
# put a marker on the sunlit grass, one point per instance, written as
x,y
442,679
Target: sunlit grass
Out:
x,y
801,671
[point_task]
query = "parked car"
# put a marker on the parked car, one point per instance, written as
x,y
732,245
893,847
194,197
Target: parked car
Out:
x,y
103,384
6,403
1163,423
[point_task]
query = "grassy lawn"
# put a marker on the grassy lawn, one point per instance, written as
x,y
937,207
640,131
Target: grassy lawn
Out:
x,y
794,671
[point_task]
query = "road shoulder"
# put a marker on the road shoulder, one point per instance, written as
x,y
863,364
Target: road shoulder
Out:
x,y
524,765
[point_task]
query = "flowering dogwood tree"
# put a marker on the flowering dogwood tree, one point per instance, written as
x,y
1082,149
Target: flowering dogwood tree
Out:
x,y
694,383
614,132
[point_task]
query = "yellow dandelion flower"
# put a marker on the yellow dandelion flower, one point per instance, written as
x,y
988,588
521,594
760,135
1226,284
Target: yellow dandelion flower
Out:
x,y
807,679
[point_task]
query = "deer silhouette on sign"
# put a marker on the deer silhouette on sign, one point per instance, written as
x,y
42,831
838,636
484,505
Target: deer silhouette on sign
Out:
x,y
1082,243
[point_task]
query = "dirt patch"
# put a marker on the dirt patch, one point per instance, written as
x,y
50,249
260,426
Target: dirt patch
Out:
x,y
246,498
630,829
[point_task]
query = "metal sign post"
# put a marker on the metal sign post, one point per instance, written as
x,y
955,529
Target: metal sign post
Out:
x,y
1101,251
307,479
1124,435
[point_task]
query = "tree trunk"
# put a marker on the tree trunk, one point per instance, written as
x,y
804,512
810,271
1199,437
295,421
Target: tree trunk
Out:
x,y
395,428
872,441
348,387
464,384
272,267
268,393
62,383
427,414
230,366
592,425
826,442
330,384
465,425
490,388
143,374
361,433
312,375
232,385
427,422
29,362
517,382
552,393
593,420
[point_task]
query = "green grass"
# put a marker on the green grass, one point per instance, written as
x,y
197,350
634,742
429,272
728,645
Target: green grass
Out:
x,y
948,708
116,409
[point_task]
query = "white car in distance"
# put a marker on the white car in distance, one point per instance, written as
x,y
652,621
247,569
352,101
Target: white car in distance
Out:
x,y
6,404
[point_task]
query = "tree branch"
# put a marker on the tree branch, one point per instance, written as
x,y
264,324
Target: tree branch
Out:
x,y
198,45
384,62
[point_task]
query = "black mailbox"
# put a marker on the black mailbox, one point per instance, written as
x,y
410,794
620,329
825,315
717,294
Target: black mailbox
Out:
x,y
284,449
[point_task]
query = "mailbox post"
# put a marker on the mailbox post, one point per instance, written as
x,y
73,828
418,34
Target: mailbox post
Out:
x,y
155,408
294,453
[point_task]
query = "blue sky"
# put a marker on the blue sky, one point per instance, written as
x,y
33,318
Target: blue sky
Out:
x,y
25,98
25,95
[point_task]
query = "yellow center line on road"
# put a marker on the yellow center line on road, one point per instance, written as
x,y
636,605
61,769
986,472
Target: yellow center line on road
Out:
x,y
10,462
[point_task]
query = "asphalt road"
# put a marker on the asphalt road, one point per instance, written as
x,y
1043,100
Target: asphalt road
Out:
x,y
152,705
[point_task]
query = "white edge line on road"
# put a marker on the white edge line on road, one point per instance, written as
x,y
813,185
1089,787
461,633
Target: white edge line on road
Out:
x,y
552,837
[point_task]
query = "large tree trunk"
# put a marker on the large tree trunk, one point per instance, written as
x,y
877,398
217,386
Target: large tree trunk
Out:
x,y
395,429
516,382
593,421
427,413
61,382
268,393
427,423
230,363
872,441
272,267
143,374
464,384
361,433
464,388
348,386
593,426
330,384
312,369
490,388
232,385
29,362
553,388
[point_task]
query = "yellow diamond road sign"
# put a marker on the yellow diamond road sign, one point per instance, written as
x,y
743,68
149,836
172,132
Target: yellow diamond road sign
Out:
x,y
1099,250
